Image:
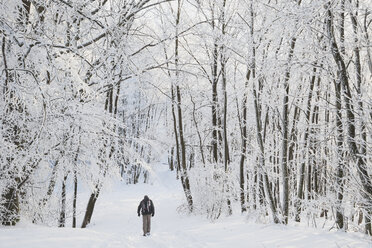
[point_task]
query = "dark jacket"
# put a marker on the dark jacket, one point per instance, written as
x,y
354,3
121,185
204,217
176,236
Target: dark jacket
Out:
x,y
146,207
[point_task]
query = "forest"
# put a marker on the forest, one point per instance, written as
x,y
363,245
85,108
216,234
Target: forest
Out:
x,y
261,104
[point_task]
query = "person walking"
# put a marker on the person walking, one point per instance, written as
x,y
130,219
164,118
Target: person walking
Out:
x,y
146,207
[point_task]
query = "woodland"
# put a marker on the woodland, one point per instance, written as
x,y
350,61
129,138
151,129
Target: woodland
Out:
x,y
261,104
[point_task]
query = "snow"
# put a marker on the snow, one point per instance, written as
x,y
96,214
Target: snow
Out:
x,y
115,224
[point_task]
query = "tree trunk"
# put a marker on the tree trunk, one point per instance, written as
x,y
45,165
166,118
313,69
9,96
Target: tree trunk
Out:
x,y
263,172
260,129
178,156
300,192
111,108
223,62
62,216
339,128
197,130
184,175
351,130
340,165
171,159
215,105
10,214
90,207
284,162
74,200
244,144
363,132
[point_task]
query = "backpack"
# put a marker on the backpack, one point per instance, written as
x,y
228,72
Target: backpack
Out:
x,y
146,206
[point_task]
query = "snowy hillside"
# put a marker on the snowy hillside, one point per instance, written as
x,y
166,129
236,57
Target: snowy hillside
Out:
x,y
115,224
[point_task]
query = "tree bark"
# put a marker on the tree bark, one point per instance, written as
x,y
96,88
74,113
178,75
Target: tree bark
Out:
x,y
184,175
62,216
90,208
215,105
178,156
244,144
284,162
74,200
340,165
223,62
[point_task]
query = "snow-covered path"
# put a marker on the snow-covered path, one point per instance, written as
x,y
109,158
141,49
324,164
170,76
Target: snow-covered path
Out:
x,y
115,224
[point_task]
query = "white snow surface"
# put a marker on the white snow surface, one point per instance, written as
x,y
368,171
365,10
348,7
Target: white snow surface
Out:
x,y
115,224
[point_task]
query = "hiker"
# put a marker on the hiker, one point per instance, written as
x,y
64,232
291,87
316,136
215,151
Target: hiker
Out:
x,y
148,211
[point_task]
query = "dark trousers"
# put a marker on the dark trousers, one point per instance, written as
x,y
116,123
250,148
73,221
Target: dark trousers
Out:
x,y
146,223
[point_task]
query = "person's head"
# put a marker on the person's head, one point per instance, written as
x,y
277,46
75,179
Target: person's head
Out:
x,y
146,198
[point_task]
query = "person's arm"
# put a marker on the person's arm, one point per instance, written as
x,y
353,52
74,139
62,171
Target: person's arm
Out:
x,y
139,208
153,208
